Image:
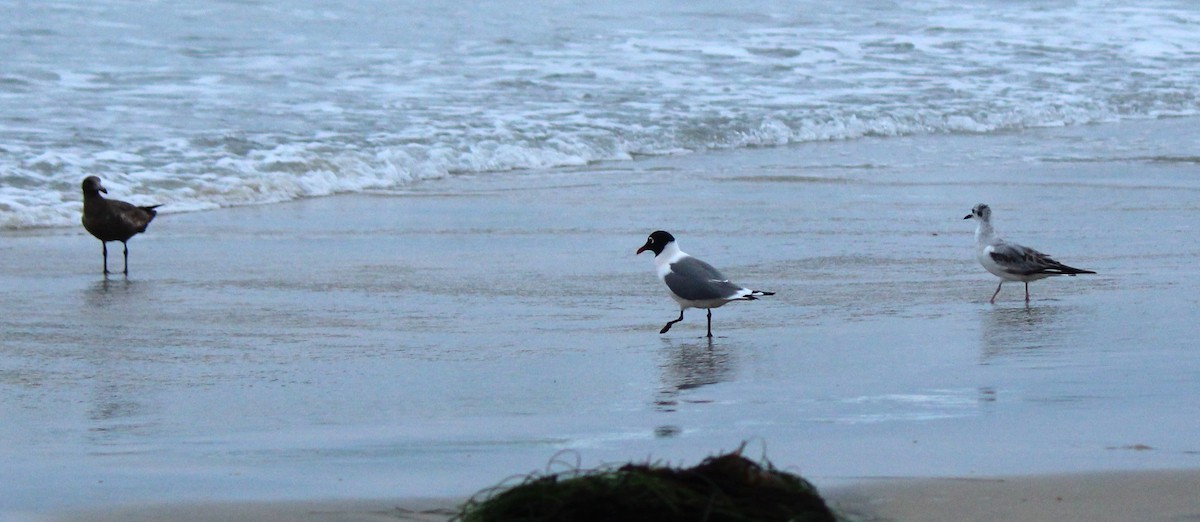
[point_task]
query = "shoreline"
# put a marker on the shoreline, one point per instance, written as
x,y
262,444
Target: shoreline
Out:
x,y
433,342
1103,496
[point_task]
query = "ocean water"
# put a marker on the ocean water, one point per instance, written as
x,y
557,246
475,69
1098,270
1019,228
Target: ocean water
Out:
x,y
227,103
473,307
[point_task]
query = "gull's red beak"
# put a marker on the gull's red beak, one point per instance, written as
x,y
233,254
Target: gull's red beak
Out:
x,y
640,250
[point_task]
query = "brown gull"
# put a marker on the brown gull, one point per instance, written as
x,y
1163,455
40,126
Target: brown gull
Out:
x,y
112,220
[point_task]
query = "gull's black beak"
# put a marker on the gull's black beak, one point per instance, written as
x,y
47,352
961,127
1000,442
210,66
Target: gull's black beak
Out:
x,y
104,190
969,216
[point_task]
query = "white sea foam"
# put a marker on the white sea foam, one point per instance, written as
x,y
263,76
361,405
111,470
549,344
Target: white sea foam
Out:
x,y
213,107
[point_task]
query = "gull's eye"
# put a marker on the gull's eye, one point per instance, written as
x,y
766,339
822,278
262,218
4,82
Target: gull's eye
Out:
x,y
650,240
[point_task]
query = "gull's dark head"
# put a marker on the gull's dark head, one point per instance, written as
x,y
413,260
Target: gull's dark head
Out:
x,y
657,242
91,185
981,212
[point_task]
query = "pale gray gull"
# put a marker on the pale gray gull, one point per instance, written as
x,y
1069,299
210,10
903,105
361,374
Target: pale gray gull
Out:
x,y
1010,261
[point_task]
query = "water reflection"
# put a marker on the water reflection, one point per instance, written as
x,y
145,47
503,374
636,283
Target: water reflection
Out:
x,y
107,332
120,403
113,406
690,365
105,287
1022,331
114,305
667,431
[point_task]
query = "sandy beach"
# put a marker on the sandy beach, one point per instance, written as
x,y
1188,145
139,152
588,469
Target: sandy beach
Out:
x,y
1097,497
432,342
1149,496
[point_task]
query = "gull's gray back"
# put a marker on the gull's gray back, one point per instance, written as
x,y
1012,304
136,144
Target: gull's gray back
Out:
x,y
1021,260
695,280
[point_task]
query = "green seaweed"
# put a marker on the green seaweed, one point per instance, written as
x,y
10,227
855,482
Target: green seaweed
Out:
x,y
722,488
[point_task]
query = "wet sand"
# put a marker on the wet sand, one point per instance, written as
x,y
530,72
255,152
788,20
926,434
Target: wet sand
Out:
x,y
1154,496
1147,496
430,343
402,510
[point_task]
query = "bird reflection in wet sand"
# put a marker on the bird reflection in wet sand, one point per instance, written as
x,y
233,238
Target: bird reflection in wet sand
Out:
x,y
104,286
109,298
1021,330
689,366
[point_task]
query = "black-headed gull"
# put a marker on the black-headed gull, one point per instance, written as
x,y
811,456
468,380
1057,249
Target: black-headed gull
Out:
x,y
112,220
1010,261
692,282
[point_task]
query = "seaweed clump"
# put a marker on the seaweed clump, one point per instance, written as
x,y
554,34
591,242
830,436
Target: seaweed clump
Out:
x,y
722,488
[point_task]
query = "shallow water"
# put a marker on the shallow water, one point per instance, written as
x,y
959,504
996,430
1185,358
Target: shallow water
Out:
x,y
438,340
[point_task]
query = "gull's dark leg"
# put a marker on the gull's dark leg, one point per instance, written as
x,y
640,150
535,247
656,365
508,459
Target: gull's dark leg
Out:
x,y
710,323
669,323
104,245
997,291
1027,291
126,245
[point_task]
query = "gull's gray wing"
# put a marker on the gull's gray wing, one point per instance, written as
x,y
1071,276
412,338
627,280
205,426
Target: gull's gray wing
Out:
x,y
695,280
1022,260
